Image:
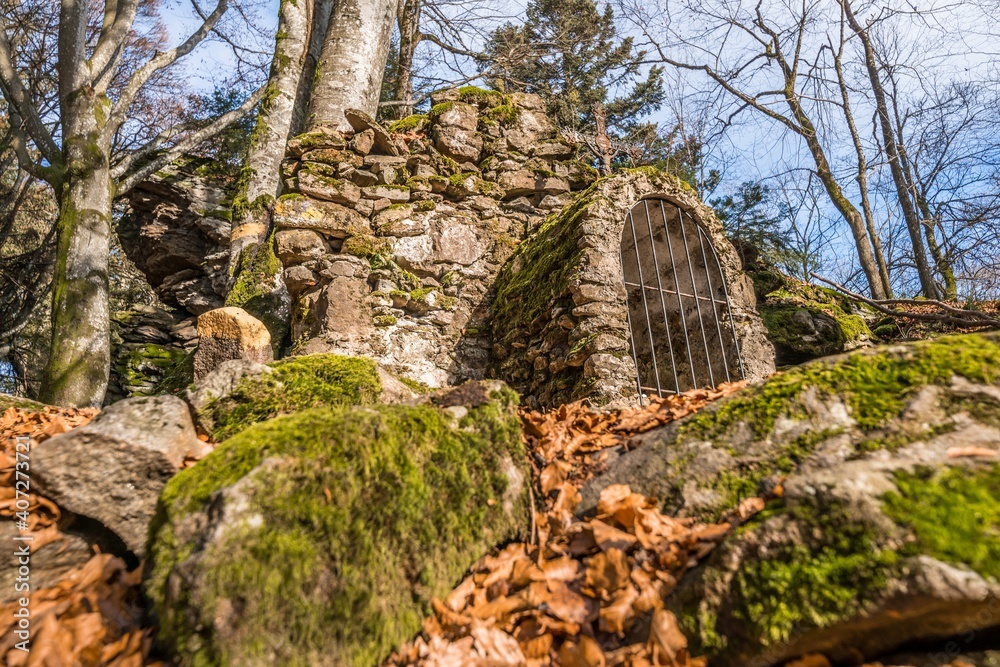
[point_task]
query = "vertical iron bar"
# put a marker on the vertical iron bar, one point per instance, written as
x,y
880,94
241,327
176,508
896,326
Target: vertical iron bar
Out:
x,y
645,305
694,292
711,294
732,323
663,305
680,301
628,321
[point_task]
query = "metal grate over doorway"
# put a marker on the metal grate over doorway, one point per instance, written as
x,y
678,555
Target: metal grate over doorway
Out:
x,y
681,327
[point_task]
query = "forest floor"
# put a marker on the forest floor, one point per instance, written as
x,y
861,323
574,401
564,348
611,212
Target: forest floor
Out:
x,y
580,592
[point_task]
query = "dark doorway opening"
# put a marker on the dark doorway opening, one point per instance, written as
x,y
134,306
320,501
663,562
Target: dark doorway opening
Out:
x,y
681,327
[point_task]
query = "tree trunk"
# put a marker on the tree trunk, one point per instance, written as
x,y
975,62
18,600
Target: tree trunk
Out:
x,y
80,355
353,61
912,219
260,181
409,36
849,212
862,176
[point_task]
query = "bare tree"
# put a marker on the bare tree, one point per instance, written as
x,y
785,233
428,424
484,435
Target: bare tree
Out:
x,y
79,164
768,66
893,153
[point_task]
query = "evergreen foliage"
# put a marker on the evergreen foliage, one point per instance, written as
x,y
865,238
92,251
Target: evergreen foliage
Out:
x,y
569,52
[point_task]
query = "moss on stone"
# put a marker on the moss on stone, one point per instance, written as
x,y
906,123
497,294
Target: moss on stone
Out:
x,y
416,499
416,385
148,362
954,515
438,110
296,384
830,567
367,246
178,377
254,290
482,97
504,114
798,587
874,386
384,320
806,321
20,403
424,205
412,123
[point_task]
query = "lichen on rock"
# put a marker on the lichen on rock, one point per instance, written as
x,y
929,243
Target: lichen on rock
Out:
x,y
320,538
884,529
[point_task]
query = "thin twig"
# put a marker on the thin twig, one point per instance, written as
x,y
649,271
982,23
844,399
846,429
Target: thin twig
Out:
x,y
965,318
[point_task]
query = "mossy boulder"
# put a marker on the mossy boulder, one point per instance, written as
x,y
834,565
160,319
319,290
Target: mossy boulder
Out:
x,y
806,321
292,385
320,538
886,526
8,401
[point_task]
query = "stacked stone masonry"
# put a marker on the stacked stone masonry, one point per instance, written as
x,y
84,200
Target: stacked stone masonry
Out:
x,y
560,317
391,238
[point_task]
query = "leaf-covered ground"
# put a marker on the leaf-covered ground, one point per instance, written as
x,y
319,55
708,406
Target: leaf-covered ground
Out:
x,y
581,593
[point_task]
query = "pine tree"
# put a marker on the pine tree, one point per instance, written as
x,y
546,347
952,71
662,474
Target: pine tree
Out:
x,y
569,52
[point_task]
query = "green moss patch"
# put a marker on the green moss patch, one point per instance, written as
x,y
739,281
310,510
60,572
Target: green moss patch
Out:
x,y
297,383
787,589
482,97
254,289
806,321
367,514
412,123
875,386
19,403
954,515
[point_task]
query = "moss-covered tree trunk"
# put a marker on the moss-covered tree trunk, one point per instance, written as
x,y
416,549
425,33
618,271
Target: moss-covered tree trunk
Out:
x,y
349,75
256,284
260,182
80,354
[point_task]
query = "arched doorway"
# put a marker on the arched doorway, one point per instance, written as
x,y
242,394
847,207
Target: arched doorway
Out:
x,y
679,318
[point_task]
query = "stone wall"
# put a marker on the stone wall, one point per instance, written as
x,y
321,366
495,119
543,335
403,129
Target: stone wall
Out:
x,y
391,238
559,316
177,233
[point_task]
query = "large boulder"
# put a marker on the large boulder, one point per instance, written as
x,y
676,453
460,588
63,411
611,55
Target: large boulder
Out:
x,y
176,232
885,521
320,538
113,469
805,321
239,394
230,333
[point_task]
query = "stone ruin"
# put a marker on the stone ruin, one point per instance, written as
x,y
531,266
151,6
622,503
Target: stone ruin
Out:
x,y
465,243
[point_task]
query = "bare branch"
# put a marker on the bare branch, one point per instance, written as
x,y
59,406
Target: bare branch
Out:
x,y
117,24
15,93
161,60
129,180
952,315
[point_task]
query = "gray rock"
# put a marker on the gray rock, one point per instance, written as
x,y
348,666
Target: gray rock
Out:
x,y
326,188
396,194
295,246
457,143
222,381
327,218
362,122
868,547
114,468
